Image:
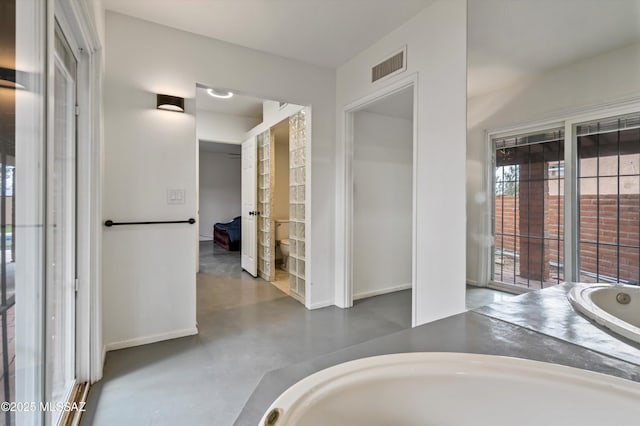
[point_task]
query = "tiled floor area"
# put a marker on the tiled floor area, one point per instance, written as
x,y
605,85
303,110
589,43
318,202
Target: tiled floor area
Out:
x,y
247,327
282,281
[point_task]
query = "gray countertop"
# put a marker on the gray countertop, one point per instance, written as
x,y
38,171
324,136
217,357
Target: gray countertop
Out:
x,y
509,329
549,312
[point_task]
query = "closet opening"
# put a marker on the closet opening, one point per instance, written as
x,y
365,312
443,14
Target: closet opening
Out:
x,y
380,237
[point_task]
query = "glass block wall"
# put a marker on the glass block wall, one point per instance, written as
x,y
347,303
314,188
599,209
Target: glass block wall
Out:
x,y
297,191
266,242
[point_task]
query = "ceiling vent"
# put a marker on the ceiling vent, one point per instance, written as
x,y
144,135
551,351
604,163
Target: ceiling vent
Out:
x,y
393,65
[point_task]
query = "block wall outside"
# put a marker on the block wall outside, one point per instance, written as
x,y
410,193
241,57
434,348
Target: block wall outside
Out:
x,y
602,259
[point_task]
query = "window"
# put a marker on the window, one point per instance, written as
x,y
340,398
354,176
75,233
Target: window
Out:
x,y
609,200
529,205
528,209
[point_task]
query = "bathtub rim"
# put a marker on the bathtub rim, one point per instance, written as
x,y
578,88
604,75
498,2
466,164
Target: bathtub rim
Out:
x,y
294,396
580,298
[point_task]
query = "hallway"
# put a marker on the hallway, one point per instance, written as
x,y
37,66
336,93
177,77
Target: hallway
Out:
x,y
247,327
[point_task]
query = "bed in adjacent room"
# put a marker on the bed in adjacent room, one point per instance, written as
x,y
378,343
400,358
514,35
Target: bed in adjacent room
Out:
x,y
227,235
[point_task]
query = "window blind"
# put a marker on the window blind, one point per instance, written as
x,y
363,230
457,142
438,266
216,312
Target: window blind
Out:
x,y
608,125
553,135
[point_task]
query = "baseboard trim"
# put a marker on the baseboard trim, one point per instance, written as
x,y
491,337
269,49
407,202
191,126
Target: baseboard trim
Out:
x,y
365,294
145,340
320,305
473,283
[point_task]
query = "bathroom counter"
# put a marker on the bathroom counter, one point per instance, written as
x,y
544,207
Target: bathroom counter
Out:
x,y
471,332
549,312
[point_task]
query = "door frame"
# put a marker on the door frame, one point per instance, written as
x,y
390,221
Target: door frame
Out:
x,y
52,288
76,21
344,270
35,26
308,233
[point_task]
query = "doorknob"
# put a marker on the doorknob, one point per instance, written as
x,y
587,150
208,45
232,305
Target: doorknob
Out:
x,y
251,213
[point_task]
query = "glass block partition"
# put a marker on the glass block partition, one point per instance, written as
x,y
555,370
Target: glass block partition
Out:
x,y
297,191
266,235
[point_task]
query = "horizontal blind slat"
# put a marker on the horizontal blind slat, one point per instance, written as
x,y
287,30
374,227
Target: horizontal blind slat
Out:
x,y
553,135
608,125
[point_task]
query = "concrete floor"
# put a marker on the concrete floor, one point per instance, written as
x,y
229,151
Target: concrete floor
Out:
x,y
477,297
247,327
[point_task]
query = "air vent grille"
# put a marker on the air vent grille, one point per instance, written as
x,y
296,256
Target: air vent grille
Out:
x,y
392,65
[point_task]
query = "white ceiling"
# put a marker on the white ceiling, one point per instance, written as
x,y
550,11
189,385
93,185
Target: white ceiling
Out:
x,y
246,106
322,32
399,105
508,40
516,39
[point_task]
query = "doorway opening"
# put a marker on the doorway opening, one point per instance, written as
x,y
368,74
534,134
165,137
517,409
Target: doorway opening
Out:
x,y
283,236
380,198
219,205
281,206
252,191
221,125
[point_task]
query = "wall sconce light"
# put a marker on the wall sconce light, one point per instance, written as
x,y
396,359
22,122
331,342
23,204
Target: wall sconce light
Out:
x,y
170,103
11,78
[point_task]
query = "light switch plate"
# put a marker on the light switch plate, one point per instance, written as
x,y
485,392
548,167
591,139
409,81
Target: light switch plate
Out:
x,y
175,196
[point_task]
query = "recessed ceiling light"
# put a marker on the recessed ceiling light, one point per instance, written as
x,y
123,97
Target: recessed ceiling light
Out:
x,y
219,94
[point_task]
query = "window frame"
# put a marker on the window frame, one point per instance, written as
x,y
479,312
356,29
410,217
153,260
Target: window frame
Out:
x,y
570,120
494,148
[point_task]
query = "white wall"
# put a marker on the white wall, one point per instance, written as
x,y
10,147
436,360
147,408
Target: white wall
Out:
x,y
271,111
610,78
281,167
382,204
436,51
149,271
216,127
220,188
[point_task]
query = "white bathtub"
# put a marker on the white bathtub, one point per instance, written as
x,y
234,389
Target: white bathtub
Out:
x,y
616,307
417,389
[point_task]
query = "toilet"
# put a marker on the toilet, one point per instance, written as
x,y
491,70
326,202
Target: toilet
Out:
x,y
282,241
